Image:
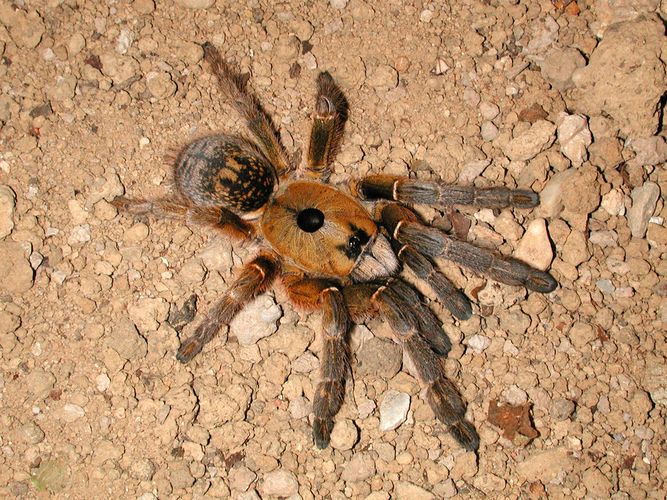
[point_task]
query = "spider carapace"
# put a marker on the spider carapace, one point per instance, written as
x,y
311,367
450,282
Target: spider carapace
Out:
x,y
327,233
327,249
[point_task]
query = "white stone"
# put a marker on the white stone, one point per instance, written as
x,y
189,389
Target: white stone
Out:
x,y
614,202
534,247
257,320
102,382
574,137
279,483
479,343
393,409
72,412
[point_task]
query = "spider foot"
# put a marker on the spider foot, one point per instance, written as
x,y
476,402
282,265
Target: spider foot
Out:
x,y
464,432
540,281
322,432
449,408
189,349
327,402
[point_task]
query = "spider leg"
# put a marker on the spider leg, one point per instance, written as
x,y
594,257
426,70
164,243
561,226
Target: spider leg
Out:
x,y
254,279
334,364
452,298
404,226
329,119
234,87
395,301
417,191
174,208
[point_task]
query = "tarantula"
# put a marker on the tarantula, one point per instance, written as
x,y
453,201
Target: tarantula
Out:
x,y
327,249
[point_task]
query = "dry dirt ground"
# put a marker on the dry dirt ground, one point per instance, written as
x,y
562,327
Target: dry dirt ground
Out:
x,y
564,100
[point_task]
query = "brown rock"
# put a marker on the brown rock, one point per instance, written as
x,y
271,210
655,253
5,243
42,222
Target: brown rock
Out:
x,y
15,271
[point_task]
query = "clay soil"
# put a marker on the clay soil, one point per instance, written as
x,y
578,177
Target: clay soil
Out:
x,y
96,96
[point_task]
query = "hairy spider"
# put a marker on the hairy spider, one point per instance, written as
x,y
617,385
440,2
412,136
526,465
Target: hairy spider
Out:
x,y
327,249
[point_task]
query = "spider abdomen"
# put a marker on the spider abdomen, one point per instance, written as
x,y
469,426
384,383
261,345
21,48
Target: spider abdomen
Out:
x,y
222,170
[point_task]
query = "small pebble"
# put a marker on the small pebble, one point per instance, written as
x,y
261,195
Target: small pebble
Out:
x,y
287,48
143,469
440,68
489,131
383,77
195,4
344,435
515,396
7,206
409,491
648,150
16,274
80,234
124,41
644,200
240,478
605,286
360,467
614,202
279,483
426,16
472,170
136,234
160,84
126,341
32,433
393,409
545,466
534,247
76,44
479,343
561,409
574,137
72,412
603,239
530,143
256,321
338,4
488,110
102,382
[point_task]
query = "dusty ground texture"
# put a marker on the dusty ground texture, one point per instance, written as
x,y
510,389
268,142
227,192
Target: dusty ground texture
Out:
x,y
94,95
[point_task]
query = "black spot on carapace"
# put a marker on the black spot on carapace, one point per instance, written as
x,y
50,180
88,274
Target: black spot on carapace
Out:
x,y
310,220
